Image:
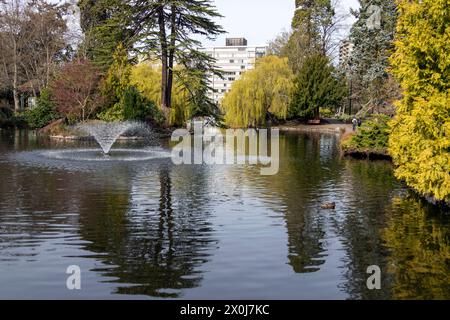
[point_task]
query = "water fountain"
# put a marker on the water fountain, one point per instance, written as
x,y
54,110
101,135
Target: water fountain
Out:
x,y
107,133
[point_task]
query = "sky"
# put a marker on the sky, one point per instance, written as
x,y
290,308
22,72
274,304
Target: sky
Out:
x,y
259,21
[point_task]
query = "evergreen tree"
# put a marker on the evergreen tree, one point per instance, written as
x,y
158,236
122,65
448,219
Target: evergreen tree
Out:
x,y
104,28
420,137
166,29
372,36
116,84
316,86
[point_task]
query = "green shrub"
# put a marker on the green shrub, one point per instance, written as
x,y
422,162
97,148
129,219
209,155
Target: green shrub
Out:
x,y
132,106
137,107
42,114
114,113
346,118
373,136
326,113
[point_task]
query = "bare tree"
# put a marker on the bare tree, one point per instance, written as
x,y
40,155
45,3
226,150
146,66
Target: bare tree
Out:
x,y
318,27
12,43
46,30
32,42
76,90
278,45
334,32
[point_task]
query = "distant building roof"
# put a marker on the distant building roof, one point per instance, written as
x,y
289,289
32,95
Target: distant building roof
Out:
x,y
28,86
235,42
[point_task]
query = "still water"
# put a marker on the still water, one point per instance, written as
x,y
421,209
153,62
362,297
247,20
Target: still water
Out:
x,y
152,230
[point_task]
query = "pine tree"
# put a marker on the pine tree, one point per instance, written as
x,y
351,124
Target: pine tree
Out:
x,y
420,138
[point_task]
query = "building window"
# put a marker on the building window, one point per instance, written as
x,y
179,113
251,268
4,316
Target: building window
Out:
x,y
231,79
225,85
242,67
231,61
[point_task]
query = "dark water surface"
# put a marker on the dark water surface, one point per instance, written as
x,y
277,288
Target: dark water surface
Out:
x,y
149,229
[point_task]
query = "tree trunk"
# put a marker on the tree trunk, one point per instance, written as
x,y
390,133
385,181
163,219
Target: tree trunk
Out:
x,y
171,56
15,82
16,100
164,64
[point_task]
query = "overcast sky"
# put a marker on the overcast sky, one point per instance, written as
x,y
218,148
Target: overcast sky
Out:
x,y
259,21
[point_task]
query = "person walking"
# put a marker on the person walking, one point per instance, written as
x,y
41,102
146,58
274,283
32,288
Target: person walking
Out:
x,y
355,124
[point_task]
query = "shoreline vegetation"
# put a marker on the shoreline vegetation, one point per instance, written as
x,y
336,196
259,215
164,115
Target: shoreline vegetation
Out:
x,y
370,140
352,143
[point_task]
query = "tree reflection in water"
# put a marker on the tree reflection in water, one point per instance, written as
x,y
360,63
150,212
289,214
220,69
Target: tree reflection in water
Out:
x,y
154,247
149,229
418,238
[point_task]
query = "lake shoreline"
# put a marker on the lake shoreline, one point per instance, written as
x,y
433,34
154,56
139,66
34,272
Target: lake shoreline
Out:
x,y
339,128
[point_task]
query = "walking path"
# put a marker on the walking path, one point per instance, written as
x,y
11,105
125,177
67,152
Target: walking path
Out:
x,y
341,128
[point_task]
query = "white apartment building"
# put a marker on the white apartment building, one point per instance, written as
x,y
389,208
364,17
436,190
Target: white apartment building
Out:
x,y
345,52
233,59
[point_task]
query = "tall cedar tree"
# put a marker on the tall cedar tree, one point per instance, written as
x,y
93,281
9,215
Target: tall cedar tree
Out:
x,y
166,29
104,29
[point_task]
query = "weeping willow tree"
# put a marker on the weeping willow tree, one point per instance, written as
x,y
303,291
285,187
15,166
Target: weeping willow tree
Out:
x,y
261,92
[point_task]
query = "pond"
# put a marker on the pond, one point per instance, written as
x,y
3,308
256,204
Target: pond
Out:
x,y
153,230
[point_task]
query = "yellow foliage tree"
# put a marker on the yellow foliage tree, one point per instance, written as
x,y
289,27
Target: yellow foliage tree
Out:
x,y
147,79
265,89
420,133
